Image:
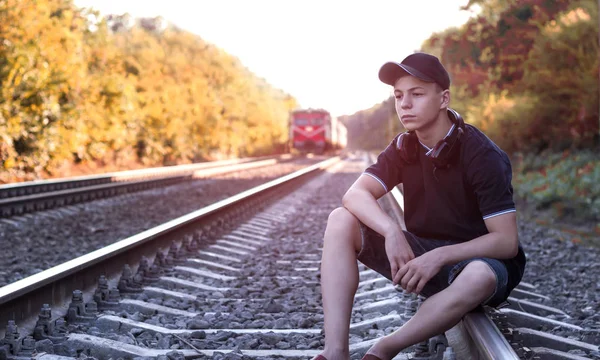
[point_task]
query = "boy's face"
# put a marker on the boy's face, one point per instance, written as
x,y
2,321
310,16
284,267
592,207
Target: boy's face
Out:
x,y
417,102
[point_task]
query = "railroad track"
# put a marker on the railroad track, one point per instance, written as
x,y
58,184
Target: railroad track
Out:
x,y
237,279
27,197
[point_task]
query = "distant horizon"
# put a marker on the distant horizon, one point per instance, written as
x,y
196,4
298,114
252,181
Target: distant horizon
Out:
x,y
336,63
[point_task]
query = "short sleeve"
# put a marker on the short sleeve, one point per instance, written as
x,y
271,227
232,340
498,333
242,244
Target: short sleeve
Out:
x,y
490,176
388,168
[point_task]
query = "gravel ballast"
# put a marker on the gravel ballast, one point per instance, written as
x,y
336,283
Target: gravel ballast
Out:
x,y
38,241
568,273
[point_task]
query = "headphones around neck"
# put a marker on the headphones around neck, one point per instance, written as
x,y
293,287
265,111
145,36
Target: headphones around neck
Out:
x,y
441,154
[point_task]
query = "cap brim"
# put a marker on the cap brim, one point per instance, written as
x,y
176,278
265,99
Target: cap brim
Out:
x,y
392,71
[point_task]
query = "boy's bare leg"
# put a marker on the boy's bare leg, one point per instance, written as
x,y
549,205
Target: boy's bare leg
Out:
x,y
441,311
339,280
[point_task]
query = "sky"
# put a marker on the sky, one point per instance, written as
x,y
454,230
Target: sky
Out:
x,y
325,53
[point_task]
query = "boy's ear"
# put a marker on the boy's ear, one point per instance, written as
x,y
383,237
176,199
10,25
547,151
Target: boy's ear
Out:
x,y
445,101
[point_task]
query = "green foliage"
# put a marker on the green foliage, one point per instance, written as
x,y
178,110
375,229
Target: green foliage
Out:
x,y
570,184
562,70
374,128
75,88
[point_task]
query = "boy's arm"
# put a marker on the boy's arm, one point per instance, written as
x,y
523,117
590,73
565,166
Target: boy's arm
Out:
x,y
361,201
501,242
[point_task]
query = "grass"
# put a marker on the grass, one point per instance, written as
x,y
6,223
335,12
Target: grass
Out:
x,y
563,190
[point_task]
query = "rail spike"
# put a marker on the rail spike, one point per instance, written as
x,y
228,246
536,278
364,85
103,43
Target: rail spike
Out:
x,y
11,344
27,348
144,273
164,263
181,253
194,245
173,255
79,312
152,273
189,244
45,329
197,239
128,283
107,299
422,351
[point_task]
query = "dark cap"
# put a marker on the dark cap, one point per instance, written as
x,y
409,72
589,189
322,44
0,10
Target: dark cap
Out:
x,y
420,65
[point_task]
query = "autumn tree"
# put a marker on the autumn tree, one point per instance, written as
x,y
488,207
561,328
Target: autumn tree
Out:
x,y
525,72
78,88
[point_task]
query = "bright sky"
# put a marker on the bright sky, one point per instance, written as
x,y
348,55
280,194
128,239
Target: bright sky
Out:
x,y
325,53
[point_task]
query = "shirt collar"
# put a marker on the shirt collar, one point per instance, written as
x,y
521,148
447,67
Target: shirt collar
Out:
x,y
429,150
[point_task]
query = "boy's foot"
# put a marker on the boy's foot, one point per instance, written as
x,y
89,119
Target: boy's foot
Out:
x,y
319,357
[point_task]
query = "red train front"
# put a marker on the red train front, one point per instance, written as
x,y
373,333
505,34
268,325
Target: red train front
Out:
x,y
308,130
314,130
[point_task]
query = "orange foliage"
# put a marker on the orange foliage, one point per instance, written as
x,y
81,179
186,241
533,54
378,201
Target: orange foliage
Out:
x,y
78,89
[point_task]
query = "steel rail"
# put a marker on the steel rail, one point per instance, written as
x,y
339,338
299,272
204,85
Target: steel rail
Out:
x,y
40,186
21,301
45,200
488,339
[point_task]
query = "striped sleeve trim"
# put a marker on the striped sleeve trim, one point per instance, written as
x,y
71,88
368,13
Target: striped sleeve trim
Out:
x,y
499,213
378,179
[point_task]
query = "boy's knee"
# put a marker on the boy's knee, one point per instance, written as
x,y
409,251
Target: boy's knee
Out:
x,y
480,274
341,216
342,224
477,277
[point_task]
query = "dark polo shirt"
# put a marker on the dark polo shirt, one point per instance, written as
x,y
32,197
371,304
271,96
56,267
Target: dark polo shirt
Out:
x,y
451,203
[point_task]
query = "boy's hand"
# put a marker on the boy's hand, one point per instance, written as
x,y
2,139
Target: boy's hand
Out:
x,y
398,251
416,273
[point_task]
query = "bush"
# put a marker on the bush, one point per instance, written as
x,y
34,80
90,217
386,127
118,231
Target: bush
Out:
x,y
569,182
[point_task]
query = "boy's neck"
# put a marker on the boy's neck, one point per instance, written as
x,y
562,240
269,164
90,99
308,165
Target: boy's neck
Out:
x,y
436,132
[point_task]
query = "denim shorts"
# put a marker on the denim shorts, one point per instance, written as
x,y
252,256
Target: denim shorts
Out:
x,y
373,255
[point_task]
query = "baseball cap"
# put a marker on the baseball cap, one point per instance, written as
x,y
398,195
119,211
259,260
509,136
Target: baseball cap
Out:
x,y
420,65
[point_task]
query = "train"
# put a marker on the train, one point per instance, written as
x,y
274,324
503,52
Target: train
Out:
x,y
316,131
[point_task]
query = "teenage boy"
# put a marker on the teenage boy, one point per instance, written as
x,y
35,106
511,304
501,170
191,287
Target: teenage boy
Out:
x,y
461,247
